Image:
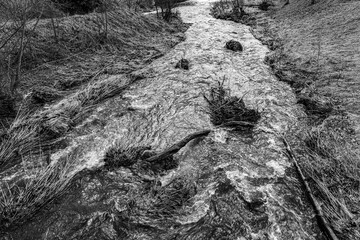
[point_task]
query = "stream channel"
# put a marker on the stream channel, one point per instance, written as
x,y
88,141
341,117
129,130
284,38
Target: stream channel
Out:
x,y
226,185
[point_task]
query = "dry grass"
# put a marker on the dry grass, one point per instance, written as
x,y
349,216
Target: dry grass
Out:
x,y
325,35
229,111
333,167
79,53
27,138
308,56
169,200
16,142
19,201
228,10
284,67
118,156
162,203
30,133
84,48
52,122
317,108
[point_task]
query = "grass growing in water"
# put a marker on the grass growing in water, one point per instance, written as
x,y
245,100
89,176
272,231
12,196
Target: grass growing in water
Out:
x,y
21,200
170,199
27,134
230,111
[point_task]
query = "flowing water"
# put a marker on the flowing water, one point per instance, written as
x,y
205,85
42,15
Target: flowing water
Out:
x,y
238,187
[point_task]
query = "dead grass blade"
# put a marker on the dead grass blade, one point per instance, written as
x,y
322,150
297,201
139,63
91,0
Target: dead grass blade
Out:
x,y
317,208
19,201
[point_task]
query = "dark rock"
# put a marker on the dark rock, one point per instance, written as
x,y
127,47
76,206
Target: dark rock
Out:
x,y
234,46
183,64
264,6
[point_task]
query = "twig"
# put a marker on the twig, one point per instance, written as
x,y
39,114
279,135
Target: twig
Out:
x,y
177,146
324,226
10,37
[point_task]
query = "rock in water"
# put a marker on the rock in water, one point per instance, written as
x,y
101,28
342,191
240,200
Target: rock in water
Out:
x,y
234,46
264,6
183,64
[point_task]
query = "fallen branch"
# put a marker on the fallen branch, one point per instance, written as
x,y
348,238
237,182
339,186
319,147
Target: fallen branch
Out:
x,y
237,123
176,147
324,226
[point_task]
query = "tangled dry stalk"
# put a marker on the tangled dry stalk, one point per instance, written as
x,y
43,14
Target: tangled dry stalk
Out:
x,y
19,201
229,111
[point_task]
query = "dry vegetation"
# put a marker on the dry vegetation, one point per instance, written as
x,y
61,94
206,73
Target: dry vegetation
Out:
x,y
315,51
323,38
331,162
228,10
64,52
229,111
31,136
54,68
19,201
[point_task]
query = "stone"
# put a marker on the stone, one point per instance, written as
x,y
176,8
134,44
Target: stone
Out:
x,y
234,46
183,64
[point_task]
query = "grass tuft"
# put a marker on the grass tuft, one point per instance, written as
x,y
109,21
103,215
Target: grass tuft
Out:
x,y
170,199
20,200
316,108
117,156
228,10
333,166
230,111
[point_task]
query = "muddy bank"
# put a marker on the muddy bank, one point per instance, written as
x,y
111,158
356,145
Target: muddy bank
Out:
x,y
226,184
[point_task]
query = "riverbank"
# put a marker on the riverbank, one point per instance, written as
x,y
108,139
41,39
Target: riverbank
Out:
x,y
229,183
305,41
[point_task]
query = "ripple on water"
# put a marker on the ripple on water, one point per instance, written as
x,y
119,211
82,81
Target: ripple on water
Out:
x,y
238,194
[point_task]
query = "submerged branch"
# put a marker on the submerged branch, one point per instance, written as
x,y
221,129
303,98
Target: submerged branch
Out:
x,y
177,146
324,226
